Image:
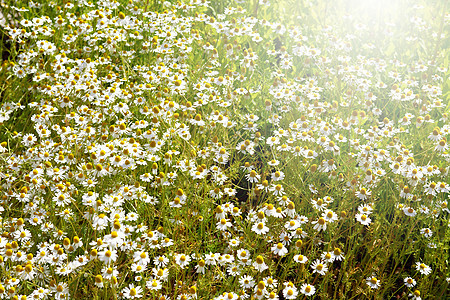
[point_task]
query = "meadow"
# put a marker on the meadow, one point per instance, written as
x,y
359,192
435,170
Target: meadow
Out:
x,y
235,149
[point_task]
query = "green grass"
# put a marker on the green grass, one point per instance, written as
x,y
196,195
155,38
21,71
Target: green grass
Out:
x,y
149,119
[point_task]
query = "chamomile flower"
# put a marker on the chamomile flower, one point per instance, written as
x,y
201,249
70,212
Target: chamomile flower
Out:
x,y
307,289
319,204
200,267
224,224
409,282
338,254
365,209
320,224
300,258
252,176
423,268
132,292
153,284
161,261
259,264
373,282
319,267
246,282
415,295
363,193
279,249
363,219
327,257
426,232
290,292
260,228
292,225
329,216
409,211
107,256
182,260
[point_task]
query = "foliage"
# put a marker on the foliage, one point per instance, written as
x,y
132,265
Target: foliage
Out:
x,y
224,150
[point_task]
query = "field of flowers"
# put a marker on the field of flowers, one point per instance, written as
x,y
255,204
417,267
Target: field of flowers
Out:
x,y
200,149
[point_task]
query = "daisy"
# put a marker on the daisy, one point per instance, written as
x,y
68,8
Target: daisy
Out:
x,y
278,213
274,140
415,295
409,211
298,234
328,257
441,146
270,282
259,264
405,192
329,216
220,213
61,289
107,256
260,290
161,261
253,176
302,219
426,232
109,272
409,282
313,189
229,192
319,204
153,284
373,282
138,268
228,258
300,258
320,224
260,228
273,163
221,260
224,224
243,254
200,267
338,254
40,293
307,289
292,225
277,176
272,296
246,282
234,243
365,209
290,292
423,268
141,257
132,292
99,281
319,267
233,270
182,260
211,258
443,187
279,249
277,190
363,193
247,167
363,219
114,239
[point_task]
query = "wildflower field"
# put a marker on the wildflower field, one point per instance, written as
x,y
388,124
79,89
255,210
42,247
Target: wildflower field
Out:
x,y
201,149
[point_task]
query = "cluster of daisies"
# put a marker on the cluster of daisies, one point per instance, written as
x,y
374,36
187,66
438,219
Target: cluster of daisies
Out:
x,y
183,150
